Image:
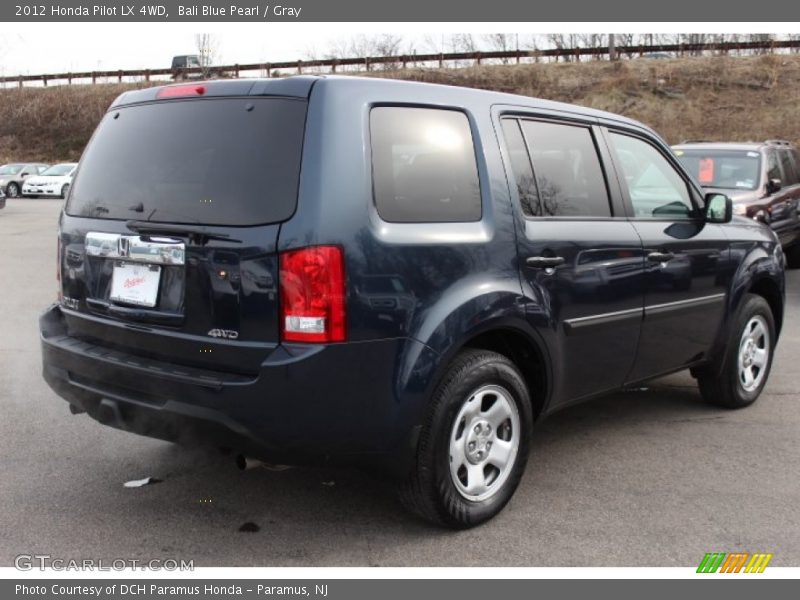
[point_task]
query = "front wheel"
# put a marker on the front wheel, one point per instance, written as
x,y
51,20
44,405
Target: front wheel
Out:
x,y
12,190
474,443
64,190
740,378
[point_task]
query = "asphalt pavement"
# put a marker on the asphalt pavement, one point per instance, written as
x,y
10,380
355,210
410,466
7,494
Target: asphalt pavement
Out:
x,y
647,477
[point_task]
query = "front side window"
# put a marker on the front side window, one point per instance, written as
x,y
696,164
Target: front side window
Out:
x,y
567,171
424,166
655,188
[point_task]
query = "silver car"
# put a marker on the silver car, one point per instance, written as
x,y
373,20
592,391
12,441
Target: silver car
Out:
x,y
53,181
13,174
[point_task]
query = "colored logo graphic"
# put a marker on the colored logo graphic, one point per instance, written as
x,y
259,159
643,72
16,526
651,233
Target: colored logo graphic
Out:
x,y
735,562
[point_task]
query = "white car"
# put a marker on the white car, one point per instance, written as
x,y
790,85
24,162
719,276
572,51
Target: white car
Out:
x,y
54,181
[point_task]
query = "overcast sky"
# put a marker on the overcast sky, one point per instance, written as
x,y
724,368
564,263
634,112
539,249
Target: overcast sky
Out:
x,y
35,48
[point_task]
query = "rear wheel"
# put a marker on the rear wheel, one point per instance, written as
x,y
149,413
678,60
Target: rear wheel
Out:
x,y
12,190
474,443
739,379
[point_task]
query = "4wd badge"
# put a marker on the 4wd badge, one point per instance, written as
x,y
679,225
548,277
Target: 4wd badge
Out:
x,y
224,333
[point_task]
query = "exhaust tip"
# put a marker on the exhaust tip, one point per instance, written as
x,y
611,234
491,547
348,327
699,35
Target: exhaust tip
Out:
x,y
245,463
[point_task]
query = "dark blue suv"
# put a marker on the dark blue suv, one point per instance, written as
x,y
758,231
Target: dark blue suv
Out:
x,y
392,274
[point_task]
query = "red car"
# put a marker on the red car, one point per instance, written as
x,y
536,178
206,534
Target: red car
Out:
x,y
762,179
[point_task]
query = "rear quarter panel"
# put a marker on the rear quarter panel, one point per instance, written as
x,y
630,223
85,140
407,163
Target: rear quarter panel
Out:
x,y
454,280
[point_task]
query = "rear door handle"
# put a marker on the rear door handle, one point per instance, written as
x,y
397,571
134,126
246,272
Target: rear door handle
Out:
x,y
660,257
544,262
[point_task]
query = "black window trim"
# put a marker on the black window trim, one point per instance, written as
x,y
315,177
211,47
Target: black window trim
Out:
x,y
480,164
602,157
695,195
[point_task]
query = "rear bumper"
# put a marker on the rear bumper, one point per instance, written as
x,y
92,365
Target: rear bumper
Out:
x,y
350,403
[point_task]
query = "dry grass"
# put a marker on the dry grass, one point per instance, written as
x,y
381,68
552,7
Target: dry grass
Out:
x,y
716,98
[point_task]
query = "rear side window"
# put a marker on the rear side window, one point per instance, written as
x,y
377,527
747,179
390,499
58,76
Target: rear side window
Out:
x,y
789,169
423,165
773,168
567,171
232,161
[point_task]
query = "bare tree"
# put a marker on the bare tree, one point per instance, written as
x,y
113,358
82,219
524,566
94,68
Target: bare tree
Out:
x,y
794,37
364,46
501,42
563,41
207,46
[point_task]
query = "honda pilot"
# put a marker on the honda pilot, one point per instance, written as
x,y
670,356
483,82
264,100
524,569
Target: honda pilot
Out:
x,y
392,274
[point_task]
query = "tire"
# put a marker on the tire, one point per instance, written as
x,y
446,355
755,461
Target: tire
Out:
x,y
64,191
750,350
457,479
12,190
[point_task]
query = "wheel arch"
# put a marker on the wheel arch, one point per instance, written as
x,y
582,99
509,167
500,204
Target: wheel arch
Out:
x,y
526,353
767,288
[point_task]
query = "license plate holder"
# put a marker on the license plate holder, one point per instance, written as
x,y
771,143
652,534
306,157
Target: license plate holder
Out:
x,y
136,284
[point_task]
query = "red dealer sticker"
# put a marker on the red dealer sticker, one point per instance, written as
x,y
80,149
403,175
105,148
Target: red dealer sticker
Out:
x,y
706,175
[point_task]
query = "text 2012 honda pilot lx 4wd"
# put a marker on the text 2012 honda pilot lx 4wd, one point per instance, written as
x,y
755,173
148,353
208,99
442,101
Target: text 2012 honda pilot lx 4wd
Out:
x,y
392,273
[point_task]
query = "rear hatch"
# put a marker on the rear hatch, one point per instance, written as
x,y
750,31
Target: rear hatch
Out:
x,y
168,239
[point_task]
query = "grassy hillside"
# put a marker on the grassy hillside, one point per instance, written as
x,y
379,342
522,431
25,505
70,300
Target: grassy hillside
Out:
x,y
710,98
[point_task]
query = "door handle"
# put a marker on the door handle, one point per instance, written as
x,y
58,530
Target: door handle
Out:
x,y
544,262
660,257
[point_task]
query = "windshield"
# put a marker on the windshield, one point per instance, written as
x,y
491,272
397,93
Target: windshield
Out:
x,y
10,169
230,161
64,169
727,169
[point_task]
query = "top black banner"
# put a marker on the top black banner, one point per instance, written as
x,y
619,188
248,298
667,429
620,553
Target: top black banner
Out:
x,y
403,11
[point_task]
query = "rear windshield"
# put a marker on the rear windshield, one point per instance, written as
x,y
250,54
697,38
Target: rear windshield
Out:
x,y
728,169
232,161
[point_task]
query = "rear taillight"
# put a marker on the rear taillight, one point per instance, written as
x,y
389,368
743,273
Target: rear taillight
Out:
x,y
313,295
58,266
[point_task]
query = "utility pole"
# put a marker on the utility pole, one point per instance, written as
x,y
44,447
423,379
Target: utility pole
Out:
x,y
612,49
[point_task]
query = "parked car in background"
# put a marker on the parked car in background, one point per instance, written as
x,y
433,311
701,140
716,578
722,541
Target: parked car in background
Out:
x,y
409,285
762,179
53,181
13,175
182,64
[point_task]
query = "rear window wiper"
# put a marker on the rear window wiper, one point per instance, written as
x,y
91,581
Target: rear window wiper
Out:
x,y
197,233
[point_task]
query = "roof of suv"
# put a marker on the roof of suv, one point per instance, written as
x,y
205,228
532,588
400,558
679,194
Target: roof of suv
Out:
x,y
299,86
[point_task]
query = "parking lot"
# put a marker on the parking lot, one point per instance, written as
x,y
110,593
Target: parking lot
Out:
x,y
645,477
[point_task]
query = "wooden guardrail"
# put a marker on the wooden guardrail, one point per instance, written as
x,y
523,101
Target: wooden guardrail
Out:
x,y
270,69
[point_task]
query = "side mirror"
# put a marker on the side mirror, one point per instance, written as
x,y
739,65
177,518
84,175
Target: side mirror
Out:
x,y
25,174
773,185
719,208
